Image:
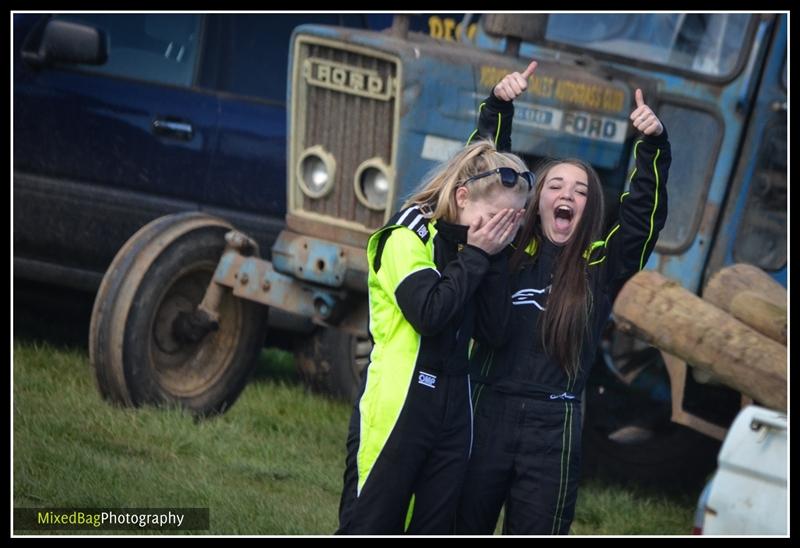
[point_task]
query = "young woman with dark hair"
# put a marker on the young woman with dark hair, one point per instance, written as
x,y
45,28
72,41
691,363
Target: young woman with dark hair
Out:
x,y
565,274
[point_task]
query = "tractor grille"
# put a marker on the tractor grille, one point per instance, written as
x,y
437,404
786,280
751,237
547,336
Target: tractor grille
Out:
x,y
345,101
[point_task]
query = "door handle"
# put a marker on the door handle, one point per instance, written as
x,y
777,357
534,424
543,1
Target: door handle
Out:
x,y
176,129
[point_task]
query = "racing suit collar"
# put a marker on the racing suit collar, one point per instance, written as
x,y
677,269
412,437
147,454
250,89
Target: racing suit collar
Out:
x,y
452,232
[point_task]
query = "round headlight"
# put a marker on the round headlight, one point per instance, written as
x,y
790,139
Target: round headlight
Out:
x,y
375,187
373,182
315,173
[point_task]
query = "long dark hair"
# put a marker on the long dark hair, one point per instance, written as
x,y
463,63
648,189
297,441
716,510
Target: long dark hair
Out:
x,y
564,323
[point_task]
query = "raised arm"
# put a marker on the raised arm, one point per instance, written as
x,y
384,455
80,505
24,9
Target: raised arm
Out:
x,y
497,110
643,211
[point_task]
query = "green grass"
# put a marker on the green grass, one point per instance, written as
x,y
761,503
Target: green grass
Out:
x,y
613,510
272,465
609,509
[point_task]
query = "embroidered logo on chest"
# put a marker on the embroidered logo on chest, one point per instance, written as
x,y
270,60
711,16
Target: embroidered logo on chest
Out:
x,y
426,379
529,296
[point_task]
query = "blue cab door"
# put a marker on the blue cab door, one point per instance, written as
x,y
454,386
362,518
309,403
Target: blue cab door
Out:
x,y
96,124
754,226
135,125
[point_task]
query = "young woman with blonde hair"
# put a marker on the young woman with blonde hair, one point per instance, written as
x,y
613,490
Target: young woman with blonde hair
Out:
x,y
437,278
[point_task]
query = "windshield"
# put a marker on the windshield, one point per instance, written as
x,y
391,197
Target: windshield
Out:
x,y
707,43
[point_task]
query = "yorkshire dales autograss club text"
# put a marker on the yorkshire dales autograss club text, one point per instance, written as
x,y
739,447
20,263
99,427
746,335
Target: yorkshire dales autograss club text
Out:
x,y
120,519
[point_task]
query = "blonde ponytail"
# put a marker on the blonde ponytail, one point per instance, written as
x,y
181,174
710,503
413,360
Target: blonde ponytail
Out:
x,y
437,195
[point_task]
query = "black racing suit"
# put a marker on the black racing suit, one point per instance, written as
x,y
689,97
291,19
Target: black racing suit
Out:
x,y
411,430
527,414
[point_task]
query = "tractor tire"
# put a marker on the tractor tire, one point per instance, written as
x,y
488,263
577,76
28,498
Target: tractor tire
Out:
x,y
138,354
333,362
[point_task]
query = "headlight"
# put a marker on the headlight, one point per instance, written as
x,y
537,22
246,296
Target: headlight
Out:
x,y
316,170
373,183
315,174
375,186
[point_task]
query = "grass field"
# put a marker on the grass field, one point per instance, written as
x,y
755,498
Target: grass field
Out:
x,y
272,465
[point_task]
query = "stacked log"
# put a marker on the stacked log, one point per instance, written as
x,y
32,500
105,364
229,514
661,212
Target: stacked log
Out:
x,y
750,295
737,332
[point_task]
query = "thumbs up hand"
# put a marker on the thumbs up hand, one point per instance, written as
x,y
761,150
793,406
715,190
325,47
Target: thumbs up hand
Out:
x,y
512,85
643,117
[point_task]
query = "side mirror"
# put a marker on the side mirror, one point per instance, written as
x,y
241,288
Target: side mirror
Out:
x,y
69,43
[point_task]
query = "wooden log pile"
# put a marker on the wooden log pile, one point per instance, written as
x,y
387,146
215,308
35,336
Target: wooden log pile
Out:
x,y
736,332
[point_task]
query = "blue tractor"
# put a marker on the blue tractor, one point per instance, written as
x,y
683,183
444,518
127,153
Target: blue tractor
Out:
x,y
181,311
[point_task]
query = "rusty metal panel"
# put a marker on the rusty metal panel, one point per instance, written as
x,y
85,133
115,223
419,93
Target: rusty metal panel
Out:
x,y
254,279
319,260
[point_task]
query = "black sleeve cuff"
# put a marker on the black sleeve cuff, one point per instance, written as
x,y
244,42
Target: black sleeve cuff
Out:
x,y
660,139
505,108
479,250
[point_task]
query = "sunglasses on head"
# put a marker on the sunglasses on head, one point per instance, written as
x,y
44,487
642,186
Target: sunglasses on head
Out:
x,y
508,176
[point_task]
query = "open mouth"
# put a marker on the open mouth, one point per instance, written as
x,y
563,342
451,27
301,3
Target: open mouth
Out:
x,y
563,217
